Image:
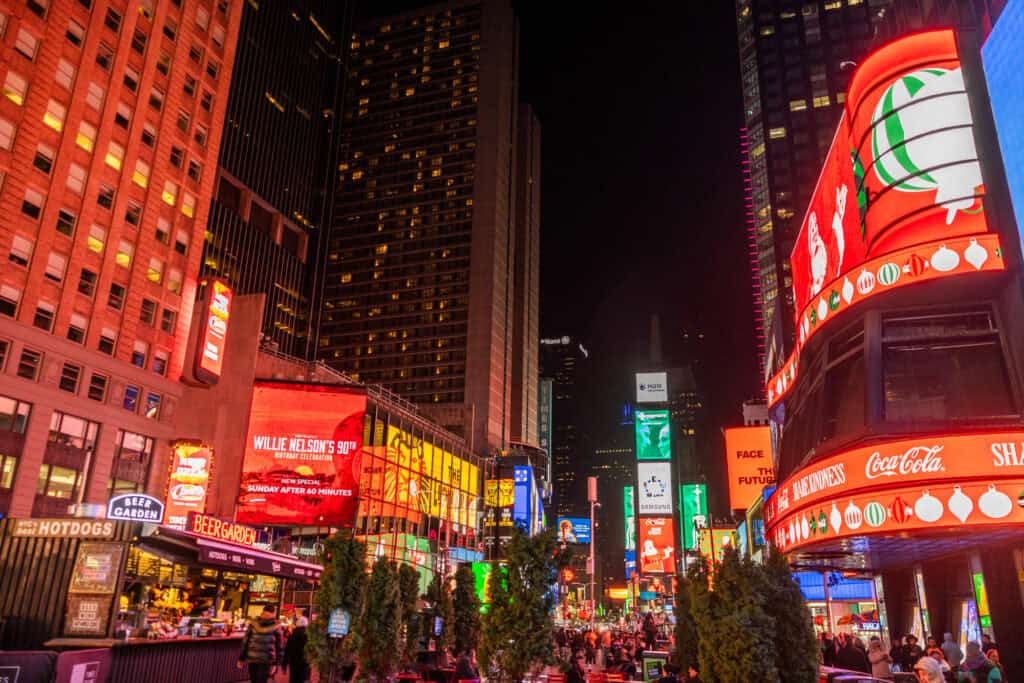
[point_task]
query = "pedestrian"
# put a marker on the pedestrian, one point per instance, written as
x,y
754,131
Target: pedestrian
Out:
x,y
979,666
828,649
295,653
993,656
881,661
987,643
465,666
576,674
954,655
693,673
947,670
896,653
928,671
261,647
852,657
670,675
911,653
932,645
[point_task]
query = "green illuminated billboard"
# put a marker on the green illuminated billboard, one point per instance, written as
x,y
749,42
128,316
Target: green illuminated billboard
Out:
x,y
653,435
627,504
693,513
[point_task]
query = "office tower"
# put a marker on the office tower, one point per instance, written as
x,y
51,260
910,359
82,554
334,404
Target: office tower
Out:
x,y
420,265
110,122
796,60
566,361
276,160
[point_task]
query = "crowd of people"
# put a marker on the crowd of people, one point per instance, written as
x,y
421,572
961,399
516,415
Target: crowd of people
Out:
x,y
933,663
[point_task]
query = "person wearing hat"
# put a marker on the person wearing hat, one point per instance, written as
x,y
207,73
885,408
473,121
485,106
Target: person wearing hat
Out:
x,y
294,662
928,670
911,653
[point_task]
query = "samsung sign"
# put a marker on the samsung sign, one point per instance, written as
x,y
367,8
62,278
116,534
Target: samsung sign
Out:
x,y
651,387
136,507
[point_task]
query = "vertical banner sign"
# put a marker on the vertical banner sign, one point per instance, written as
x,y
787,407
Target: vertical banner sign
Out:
x,y
693,513
522,476
545,388
188,482
653,435
213,334
748,454
630,511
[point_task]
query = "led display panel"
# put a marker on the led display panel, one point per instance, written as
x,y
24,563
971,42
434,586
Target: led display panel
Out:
x,y
657,551
748,454
654,491
653,435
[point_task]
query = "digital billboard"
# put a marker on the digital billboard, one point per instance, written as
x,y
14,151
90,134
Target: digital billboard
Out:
x,y
693,513
657,551
187,482
654,491
301,464
748,459
653,435
651,387
629,508
715,541
574,529
213,332
522,476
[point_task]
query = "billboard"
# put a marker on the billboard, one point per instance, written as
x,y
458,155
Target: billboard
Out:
x,y
544,425
653,435
187,482
748,459
1000,56
693,513
657,552
213,332
522,476
715,541
629,508
651,387
630,559
301,464
655,488
574,529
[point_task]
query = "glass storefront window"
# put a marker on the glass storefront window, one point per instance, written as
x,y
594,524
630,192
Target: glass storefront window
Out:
x,y
8,464
73,431
57,482
133,454
14,415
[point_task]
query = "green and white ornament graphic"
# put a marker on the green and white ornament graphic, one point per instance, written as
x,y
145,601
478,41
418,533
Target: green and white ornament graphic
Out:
x,y
922,138
888,274
874,514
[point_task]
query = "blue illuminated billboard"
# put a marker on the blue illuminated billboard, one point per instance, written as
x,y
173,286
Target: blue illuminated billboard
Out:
x,y
574,529
522,478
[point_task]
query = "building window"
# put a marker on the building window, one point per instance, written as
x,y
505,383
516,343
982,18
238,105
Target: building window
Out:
x,y
170,193
29,364
108,339
188,205
195,170
66,222
133,456
87,282
156,99
7,131
212,69
207,101
181,242
97,387
43,159
32,204
139,41
5,349
147,314
123,115
58,482
174,280
76,328
133,211
163,63
183,120
73,431
131,78
190,86
105,198
54,115
112,20
116,297
94,98
202,18
76,179
218,36
155,272
148,135
152,408
14,416
131,398
195,53
160,362
65,76
97,239
201,135
15,88
9,298
70,375
177,156
125,252
104,56
163,230
27,44
115,156
43,318
86,137
21,250
141,174
171,30
168,318
140,351
55,265
75,33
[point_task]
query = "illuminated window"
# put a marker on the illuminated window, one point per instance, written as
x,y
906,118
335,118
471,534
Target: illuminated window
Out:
x,y
757,150
115,156
97,238
76,179
381,249
170,193
273,100
65,76
797,105
141,175
155,272
767,30
125,250
15,88
822,101
776,133
356,175
188,205
174,279
840,97
54,116
94,97
834,4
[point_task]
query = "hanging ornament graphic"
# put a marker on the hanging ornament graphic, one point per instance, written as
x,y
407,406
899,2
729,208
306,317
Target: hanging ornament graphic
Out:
x,y
975,254
874,514
888,274
822,522
900,511
1020,499
945,259
822,309
836,518
847,290
930,136
833,300
853,516
994,503
915,265
960,504
814,524
817,253
928,508
865,282
805,529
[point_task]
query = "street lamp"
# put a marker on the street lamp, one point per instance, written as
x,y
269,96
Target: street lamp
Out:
x,y
592,498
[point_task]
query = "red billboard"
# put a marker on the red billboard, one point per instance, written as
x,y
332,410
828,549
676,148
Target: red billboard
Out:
x,y
302,455
657,551
748,460
187,482
213,333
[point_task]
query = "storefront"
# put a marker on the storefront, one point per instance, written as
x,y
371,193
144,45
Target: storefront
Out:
x,y
840,603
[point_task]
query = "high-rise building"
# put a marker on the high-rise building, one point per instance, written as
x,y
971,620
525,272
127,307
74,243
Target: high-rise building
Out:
x,y
566,361
796,60
418,294
277,160
110,122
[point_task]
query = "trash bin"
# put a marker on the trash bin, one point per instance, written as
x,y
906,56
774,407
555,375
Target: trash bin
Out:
x,y
653,662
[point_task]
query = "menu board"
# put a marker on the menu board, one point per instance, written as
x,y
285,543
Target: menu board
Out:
x,y
87,615
96,568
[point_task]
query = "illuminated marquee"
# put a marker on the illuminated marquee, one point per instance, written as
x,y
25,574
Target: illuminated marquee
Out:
x,y
220,530
187,481
923,483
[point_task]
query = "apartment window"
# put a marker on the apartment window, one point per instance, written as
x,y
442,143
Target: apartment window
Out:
x,y
131,78
32,203
45,312
188,205
183,119
115,156
133,457
140,351
112,20
125,251
218,36
116,297
55,265
146,8
58,482
38,7
163,63
195,171
202,18
160,362
201,135
131,398
75,33
168,318
43,159
174,279
21,250
190,86
27,44
70,375
148,135
97,239
87,282
147,314
7,131
9,298
212,69
156,98
195,53
139,41
207,101
170,193
152,409
65,76
123,115
77,328
105,198
104,56
13,414
97,390
181,242
133,212
76,179
822,101
177,156
108,338
155,272
94,97
15,88
163,230
29,364
141,174
66,222
171,30
54,115
73,431
797,105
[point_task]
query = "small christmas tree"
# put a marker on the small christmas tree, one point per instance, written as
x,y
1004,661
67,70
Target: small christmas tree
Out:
x,y
686,630
409,592
796,646
467,610
381,622
342,586
440,597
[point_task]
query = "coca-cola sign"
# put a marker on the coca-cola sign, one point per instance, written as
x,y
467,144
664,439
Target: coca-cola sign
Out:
x,y
914,460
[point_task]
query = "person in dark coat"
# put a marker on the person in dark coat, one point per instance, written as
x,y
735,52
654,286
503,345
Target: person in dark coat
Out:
x,y
465,666
911,653
853,658
295,653
261,647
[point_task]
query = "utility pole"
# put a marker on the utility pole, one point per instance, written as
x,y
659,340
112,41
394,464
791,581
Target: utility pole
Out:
x,y
592,498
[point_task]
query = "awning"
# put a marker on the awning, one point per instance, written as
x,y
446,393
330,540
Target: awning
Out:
x,y
228,555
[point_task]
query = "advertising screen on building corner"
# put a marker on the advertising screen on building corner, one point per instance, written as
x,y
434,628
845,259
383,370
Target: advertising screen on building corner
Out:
x,y
302,455
213,332
748,455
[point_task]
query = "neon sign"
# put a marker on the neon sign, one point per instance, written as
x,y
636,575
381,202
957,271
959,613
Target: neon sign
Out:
x,y
220,530
187,481
213,333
